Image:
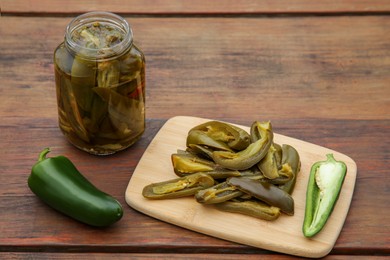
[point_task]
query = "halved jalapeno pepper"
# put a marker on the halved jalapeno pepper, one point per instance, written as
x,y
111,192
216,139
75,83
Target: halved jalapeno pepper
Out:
x,y
323,189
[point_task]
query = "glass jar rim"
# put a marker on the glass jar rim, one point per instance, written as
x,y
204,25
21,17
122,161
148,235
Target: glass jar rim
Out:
x,y
99,53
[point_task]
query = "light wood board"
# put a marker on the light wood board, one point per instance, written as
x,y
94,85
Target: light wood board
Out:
x,y
282,235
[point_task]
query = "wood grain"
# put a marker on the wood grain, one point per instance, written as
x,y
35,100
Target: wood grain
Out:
x,y
181,7
322,67
320,70
23,138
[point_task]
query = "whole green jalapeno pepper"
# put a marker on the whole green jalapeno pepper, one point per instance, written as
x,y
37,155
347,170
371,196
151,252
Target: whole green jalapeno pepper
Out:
x,y
324,186
57,182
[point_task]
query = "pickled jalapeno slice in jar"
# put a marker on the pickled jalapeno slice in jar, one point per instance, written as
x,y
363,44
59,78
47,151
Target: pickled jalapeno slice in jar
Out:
x,y
97,35
100,79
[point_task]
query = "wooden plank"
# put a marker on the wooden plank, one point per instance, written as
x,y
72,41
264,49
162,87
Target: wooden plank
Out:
x,y
14,7
276,68
365,231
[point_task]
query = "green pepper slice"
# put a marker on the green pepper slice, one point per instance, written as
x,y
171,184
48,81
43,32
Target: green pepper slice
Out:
x,y
266,192
199,137
126,115
83,79
325,182
291,165
72,111
108,73
235,137
269,164
177,188
58,183
217,194
186,164
251,208
200,150
280,166
256,151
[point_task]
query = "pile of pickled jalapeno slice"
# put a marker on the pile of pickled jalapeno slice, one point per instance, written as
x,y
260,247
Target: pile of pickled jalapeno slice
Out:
x,y
236,171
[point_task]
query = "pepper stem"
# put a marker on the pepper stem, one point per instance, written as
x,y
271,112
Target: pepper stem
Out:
x,y
42,155
330,157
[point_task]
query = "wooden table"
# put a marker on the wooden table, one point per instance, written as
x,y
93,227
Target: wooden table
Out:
x,y
319,70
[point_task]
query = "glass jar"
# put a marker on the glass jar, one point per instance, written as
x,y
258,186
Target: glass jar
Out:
x,y
100,84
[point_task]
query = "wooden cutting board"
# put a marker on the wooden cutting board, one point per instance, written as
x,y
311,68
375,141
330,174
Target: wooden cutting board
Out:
x,y
282,235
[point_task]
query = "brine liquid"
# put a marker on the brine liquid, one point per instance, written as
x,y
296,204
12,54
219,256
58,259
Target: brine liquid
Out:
x,y
101,104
